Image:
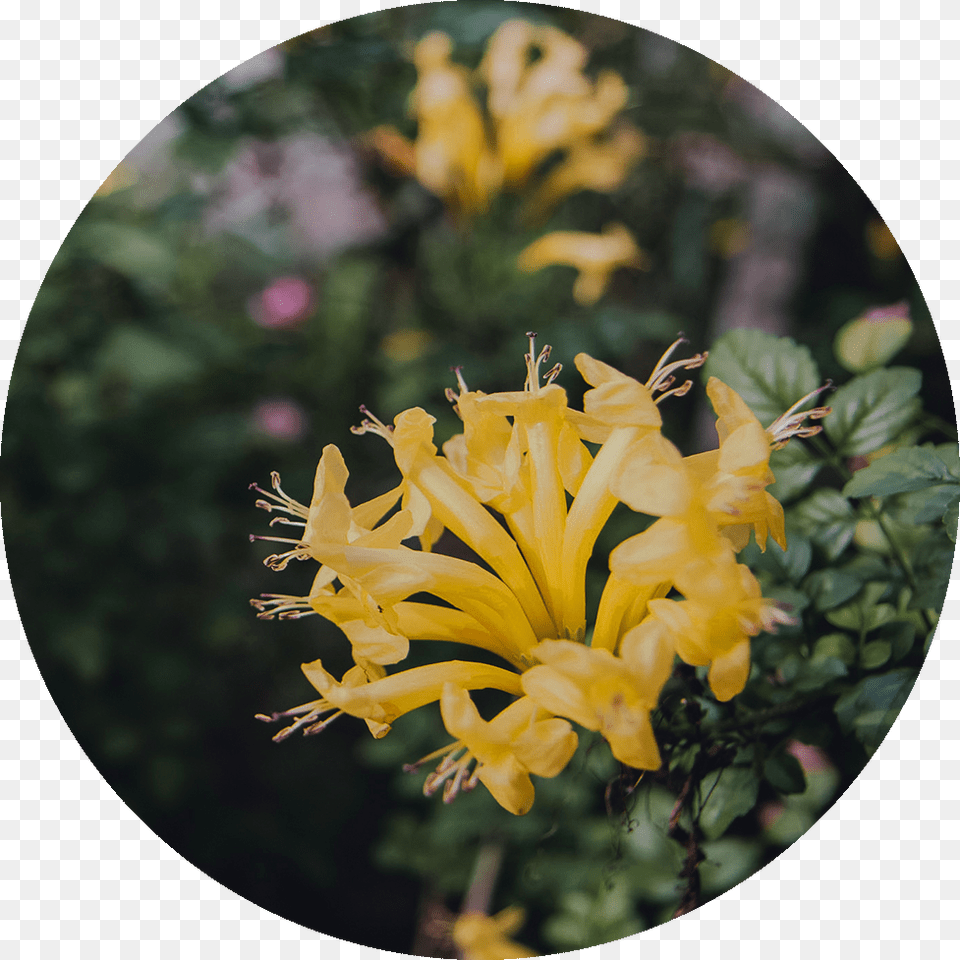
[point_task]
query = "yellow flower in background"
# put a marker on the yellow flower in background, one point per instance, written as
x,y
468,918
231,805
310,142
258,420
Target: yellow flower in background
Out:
x,y
523,490
539,103
480,937
874,337
595,256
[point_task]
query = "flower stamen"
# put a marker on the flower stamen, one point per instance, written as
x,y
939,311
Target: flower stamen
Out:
x,y
372,424
281,606
283,502
790,424
663,377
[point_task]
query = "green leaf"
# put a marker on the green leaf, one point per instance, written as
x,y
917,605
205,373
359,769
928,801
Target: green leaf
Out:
x,y
149,362
835,646
135,253
926,506
770,373
783,772
830,587
727,794
817,673
785,565
828,519
873,409
861,616
875,654
869,709
727,862
932,561
950,520
900,634
794,469
913,468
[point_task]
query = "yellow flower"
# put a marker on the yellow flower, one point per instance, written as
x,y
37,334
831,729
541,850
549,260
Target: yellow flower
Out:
x,y
535,107
546,105
603,692
594,255
520,740
480,937
590,165
451,154
523,455
714,625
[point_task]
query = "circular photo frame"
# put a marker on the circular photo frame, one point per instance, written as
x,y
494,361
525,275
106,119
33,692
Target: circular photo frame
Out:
x,y
619,480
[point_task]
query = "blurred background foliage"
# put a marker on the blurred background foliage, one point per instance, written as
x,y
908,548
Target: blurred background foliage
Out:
x,y
249,276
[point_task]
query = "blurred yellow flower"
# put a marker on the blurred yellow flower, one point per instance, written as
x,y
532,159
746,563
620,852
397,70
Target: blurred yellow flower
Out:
x,y
480,937
594,255
538,103
523,455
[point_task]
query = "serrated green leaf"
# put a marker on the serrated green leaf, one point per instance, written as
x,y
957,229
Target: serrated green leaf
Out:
x,y
783,772
770,373
871,410
727,794
830,587
929,505
914,468
932,561
828,519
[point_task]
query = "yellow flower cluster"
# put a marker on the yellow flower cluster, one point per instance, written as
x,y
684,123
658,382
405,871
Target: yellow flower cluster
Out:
x,y
539,104
553,474
479,937
540,107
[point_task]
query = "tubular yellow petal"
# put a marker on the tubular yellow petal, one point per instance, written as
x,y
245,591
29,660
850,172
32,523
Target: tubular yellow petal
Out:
x,y
729,672
615,602
600,692
330,513
541,418
650,477
559,694
390,576
390,697
590,510
375,643
729,406
547,746
649,650
632,742
746,448
616,399
509,783
457,509
425,621
368,515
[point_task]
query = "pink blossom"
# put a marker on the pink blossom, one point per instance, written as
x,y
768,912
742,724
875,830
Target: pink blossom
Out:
x,y
285,302
280,418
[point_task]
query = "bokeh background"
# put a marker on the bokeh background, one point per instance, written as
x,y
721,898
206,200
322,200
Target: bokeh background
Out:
x,y
248,277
